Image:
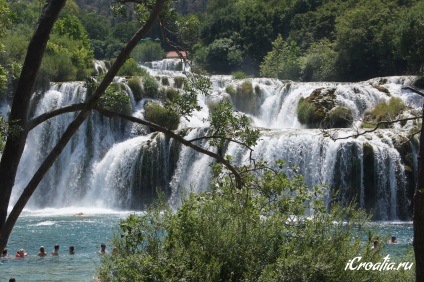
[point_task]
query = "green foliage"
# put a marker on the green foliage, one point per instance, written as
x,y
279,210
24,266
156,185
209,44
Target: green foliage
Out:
x,y
239,75
259,233
131,68
338,117
319,109
283,61
148,51
245,98
162,116
165,81
319,62
72,27
188,28
306,113
231,90
411,35
6,17
179,81
384,111
134,83
223,56
116,100
225,123
150,87
171,93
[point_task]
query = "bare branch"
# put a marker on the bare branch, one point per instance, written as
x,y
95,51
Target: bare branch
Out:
x,y
358,133
221,137
43,117
414,90
179,138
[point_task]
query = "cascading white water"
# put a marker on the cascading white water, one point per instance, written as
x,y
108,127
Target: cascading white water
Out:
x,y
110,165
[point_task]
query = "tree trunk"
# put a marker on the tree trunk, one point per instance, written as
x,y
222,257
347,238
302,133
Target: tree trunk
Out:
x,y
418,218
75,124
15,144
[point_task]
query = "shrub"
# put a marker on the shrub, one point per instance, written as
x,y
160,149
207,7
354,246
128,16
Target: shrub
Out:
x,y
231,90
134,84
239,75
148,51
257,233
244,97
338,117
171,93
165,81
131,68
159,115
116,100
150,87
179,81
384,111
306,113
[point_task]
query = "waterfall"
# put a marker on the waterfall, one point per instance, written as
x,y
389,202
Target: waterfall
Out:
x,y
112,164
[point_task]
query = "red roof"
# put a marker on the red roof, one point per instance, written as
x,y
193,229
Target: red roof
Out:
x,y
174,54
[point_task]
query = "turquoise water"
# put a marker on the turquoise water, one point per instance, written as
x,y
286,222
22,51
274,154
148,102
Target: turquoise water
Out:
x,y
64,227
86,232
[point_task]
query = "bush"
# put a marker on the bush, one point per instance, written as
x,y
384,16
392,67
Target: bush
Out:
x,y
385,111
339,117
239,75
131,68
257,233
159,115
150,87
244,97
231,90
171,93
134,84
165,81
116,100
179,81
306,113
148,51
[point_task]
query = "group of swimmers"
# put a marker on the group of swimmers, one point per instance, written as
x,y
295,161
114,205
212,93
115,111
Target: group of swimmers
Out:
x,y
21,253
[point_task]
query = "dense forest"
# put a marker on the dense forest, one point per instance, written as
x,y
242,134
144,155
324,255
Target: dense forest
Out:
x,y
306,40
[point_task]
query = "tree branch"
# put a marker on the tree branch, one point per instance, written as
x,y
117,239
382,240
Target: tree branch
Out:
x,y
171,134
75,124
220,137
368,131
43,117
414,90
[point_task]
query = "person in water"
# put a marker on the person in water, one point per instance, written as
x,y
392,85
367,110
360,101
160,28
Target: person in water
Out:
x,y
393,240
102,249
5,254
42,252
71,250
21,254
55,252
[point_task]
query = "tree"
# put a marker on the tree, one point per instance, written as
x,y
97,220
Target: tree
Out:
x,y
283,61
20,110
182,105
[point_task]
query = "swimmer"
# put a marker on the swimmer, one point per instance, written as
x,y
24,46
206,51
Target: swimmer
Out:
x,y
55,252
5,254
21,254
393,240
102,249
42,252
71,250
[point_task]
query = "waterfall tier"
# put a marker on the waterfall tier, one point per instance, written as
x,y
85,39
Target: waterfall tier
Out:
x,y
110,163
